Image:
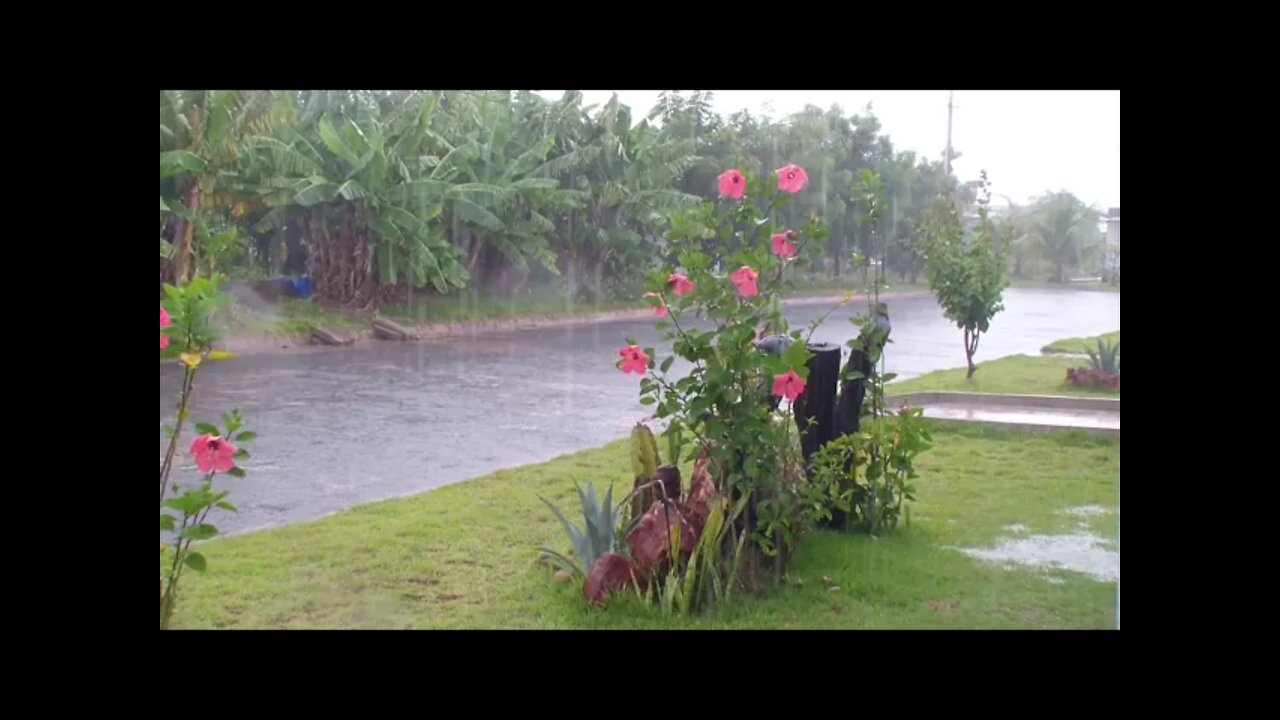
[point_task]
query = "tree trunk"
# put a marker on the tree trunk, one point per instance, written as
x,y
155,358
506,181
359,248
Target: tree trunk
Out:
x,y
571,275
970,347
184,247
597,280
474,262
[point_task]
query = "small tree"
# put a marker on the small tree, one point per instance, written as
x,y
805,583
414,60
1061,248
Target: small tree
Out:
x,y
966,270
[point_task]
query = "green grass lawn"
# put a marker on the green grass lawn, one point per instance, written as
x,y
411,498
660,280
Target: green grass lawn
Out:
x,y
1078,345
290,316
472,306
463,556
1016,374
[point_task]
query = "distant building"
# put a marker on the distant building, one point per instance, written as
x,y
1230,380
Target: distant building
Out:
x,y
1113,228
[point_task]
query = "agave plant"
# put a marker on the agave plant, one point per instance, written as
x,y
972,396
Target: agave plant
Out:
x,y
1106,359
597,536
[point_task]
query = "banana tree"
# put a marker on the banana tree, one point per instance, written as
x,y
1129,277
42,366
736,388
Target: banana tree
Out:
x,y
492,150
361,185
622,180
201,141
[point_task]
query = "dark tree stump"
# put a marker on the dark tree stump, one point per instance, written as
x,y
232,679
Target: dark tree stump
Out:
x,y
852,392
815,409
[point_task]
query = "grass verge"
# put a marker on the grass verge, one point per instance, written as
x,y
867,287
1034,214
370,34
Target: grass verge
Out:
x,y
1016,374
290,316
1078,345
463,556
293,316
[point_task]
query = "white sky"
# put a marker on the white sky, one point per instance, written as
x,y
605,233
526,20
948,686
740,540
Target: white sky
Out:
x,y
1028,141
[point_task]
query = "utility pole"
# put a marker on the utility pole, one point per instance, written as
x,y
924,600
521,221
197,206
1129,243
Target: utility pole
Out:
x,y
950,109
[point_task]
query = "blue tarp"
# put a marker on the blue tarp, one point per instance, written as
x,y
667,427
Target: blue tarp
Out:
x,y
301,286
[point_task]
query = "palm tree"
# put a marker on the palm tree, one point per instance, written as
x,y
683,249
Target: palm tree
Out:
x,y
1065,230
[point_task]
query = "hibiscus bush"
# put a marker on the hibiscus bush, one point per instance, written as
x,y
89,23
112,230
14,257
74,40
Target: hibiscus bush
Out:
x,y
187,335
724,296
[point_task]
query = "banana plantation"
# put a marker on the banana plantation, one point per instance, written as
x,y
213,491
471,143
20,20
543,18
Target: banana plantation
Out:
x,y
376,195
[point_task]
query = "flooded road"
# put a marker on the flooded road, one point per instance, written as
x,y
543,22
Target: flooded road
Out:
x,y
341,426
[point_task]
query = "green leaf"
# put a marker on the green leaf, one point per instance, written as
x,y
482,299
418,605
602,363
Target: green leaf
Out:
x,y
163,206
648,400
329,136
888,376
226,506
666,364
174,162
189,503
246,436
473,213
196,562
316,193
207,429
241,454
167,522
202,531
221,355
236,472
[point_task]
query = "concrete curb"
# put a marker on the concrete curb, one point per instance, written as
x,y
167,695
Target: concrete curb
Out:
x,y
1045,402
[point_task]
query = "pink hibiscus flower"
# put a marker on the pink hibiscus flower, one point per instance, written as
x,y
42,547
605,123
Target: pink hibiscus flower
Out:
x,y
788,385
683,286
791,178
745,280
661,308
164,323
732,184
212,453
634,360
782,245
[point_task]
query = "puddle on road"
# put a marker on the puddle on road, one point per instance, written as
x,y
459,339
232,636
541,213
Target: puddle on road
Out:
x,y
1080,551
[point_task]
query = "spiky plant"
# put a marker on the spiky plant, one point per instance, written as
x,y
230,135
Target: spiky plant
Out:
x,y
597,536
1106,359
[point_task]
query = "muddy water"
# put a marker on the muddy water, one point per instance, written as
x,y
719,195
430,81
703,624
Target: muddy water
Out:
x,y
341,426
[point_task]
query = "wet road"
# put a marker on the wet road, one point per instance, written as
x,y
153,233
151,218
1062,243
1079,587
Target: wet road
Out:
x,y
341,426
